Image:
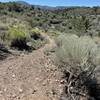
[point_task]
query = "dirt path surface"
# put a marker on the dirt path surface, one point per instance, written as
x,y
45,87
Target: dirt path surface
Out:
x,y
30,76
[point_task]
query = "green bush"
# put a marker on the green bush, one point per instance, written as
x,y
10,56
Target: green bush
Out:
x,y
17,37
80,24
17,32
37,44
75,51
37,39
35,31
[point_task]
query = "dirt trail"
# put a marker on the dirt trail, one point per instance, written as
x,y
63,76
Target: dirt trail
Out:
x,y
30,76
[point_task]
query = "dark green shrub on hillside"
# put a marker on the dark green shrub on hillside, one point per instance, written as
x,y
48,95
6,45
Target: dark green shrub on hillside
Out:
x,y
36,34
18,37
11,6
37,39
54,21
80,24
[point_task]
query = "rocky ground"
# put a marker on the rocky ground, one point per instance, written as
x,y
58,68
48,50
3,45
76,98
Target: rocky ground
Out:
x,y
30,77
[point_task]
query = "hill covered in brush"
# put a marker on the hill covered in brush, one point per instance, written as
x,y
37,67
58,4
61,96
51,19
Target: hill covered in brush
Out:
x,y
21,17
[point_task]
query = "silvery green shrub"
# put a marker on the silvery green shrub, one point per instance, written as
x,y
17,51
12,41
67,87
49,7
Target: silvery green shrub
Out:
x,y
80,52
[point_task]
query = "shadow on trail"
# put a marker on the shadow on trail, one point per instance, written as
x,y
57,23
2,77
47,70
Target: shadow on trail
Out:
x,y
3,52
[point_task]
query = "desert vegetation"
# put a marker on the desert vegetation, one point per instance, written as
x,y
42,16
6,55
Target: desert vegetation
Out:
x,y
78,56
51,51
